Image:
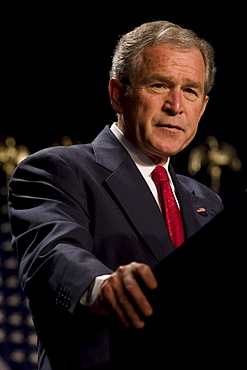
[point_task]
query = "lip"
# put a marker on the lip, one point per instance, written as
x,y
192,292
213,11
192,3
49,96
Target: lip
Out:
x,y
170,127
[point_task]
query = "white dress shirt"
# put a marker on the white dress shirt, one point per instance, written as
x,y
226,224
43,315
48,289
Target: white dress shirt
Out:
x,y
145,165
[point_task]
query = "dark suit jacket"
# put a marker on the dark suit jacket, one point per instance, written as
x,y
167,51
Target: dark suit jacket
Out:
x,y
78,212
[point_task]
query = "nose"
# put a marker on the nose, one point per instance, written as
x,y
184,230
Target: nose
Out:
x,y
173,103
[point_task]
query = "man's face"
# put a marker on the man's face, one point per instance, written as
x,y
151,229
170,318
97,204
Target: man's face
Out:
x,y
160,115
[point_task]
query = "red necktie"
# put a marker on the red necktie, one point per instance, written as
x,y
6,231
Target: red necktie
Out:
x,y
169,206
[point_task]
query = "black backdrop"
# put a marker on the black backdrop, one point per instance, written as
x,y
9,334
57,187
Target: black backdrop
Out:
x,y
56,63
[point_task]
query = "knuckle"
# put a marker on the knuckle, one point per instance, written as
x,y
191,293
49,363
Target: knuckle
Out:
x,y
113,278
145,268
121,269
135,264
123,300
131,286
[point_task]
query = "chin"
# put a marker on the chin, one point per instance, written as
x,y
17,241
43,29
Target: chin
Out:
x,y
168,151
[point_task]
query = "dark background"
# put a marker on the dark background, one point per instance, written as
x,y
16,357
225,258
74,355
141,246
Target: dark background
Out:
x,y
56,63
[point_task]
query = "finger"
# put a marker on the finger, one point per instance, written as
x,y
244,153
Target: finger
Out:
x,y
137,296
142,272
129,309
145,273
110,290
123,294
114,293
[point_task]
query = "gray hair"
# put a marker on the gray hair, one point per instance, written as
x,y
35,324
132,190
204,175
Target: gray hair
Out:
x,y
126,58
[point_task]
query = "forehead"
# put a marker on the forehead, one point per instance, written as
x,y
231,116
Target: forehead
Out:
x,y
170,61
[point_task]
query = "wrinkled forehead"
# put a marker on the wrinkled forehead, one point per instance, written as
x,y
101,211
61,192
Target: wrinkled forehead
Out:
x,y
169,60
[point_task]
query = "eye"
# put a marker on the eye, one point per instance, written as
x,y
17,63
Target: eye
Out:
x,y
158,86
191,91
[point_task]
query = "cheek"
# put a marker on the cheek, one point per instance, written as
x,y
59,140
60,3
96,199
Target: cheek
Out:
x,y
193,117
149,114
192,122
142,113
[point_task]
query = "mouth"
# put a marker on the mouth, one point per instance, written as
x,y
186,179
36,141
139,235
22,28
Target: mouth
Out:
x,y
169,126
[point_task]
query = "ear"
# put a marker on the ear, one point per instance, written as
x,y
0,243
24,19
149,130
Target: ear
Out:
x,y
116,92
204,104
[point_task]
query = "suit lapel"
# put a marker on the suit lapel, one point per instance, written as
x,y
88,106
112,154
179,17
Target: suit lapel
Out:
x,y
140,208
130,191
132,194
190,203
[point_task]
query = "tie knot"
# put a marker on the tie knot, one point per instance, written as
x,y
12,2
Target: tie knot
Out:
x,y
159,174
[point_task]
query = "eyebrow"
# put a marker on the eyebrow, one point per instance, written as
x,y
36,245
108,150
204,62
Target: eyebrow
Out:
x,y
193,84
169,80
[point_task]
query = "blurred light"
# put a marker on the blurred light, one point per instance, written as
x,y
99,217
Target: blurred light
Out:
x,y
215,155
11,155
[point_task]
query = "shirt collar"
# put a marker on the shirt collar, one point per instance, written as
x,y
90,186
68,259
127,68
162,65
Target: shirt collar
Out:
x,y
142,161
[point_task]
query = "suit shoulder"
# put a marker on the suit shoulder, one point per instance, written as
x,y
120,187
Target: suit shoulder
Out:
x,y
55,160
66,153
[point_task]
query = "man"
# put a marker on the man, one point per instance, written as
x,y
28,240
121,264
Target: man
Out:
x,y
86,220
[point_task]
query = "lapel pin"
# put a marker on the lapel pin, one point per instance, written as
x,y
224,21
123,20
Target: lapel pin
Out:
x,y
200,209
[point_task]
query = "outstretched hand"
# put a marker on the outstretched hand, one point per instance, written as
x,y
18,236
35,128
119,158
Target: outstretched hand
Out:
x,y
122,293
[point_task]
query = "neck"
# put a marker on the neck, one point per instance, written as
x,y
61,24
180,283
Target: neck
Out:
x,y
158,161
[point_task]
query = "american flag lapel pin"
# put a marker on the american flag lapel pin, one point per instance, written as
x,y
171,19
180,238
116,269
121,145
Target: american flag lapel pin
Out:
x,y
200,209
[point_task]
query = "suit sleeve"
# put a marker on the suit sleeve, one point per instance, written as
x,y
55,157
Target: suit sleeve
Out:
x,y
50,225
